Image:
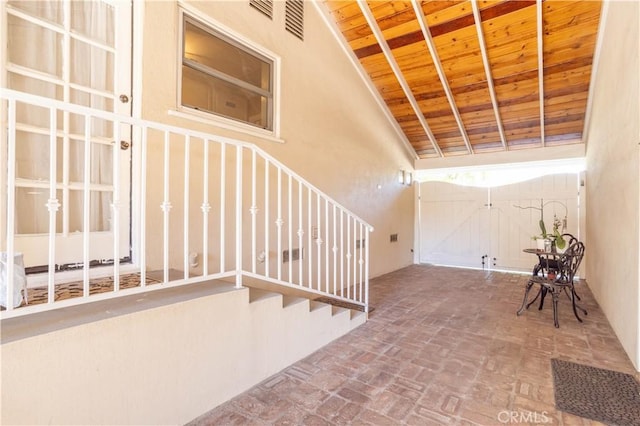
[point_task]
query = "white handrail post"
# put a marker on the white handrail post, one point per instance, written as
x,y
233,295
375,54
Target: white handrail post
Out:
x,y
238,216
366,269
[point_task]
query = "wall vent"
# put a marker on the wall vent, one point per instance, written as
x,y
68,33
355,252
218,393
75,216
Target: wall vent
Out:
x,y
290,256
393,238
294,17
263,6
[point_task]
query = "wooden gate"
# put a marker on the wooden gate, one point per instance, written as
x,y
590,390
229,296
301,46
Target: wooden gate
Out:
x,y
483,228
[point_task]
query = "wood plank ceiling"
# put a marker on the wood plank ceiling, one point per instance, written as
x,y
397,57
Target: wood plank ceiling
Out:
x,y
465,77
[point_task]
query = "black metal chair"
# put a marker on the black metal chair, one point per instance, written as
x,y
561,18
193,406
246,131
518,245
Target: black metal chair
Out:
x,y
543,262
555,279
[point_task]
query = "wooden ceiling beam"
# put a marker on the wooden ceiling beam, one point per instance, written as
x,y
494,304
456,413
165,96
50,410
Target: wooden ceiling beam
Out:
x,y
495,11
366,12
487,71
443,78
540,66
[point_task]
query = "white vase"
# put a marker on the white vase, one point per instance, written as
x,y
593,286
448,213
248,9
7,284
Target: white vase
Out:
x,y
540,243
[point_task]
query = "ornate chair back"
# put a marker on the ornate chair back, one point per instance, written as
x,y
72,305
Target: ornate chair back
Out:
x,y
569,263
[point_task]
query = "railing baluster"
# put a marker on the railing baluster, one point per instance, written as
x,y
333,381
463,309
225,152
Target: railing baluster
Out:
x,y
53,204
11,200
335,252
143,206
115,208
310,236
238,224
279,223
348,257
326,245
341,253
361,261
366,270
355,256
319,240
267,224
185,189
86,203
166,207
254,213
300,235
290,228
223,204
206,208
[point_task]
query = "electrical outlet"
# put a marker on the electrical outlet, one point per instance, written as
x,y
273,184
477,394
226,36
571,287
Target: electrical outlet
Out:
x,y
393,238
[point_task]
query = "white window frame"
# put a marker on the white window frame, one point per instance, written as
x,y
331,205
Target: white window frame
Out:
x,y
210,117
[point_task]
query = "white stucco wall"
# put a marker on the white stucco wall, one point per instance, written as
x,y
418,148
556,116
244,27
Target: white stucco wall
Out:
x,y
613,175
335,136
162,358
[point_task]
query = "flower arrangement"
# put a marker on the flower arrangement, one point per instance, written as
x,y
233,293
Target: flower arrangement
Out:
x,y
559,226
556,234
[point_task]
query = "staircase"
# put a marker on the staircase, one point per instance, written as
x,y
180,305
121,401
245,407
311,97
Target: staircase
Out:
x,y
162,357
235,243
207,206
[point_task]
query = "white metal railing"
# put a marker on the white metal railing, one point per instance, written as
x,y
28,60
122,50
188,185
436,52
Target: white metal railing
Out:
x,y
241,211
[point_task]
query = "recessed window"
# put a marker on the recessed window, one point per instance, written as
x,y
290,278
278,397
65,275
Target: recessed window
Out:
x,y
222,76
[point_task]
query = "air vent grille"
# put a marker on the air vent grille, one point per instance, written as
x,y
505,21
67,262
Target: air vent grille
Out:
x,y
263,6
294,17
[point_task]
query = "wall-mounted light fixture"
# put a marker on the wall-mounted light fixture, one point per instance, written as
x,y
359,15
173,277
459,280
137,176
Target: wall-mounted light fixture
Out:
x,y
408,178
405,178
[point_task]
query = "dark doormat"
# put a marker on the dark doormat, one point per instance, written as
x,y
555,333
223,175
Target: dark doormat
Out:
x,y
607,396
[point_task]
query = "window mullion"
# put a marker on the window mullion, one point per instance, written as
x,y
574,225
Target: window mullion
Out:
x,y
225,77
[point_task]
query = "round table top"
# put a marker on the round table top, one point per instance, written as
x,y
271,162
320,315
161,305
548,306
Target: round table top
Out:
x,y
542,252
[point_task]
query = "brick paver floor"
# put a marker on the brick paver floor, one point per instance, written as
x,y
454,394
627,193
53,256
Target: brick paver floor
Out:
x,y
442,347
